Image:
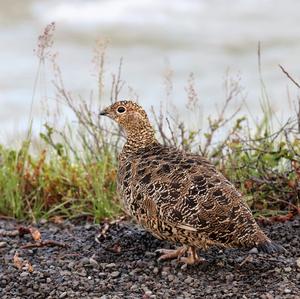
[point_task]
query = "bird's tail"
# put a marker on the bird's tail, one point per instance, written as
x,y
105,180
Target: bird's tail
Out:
x,y
269,246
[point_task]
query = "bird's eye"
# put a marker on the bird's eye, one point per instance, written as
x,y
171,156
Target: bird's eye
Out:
x,y
121,109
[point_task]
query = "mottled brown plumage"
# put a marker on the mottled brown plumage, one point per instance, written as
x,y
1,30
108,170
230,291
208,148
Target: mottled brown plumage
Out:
x,y
179,196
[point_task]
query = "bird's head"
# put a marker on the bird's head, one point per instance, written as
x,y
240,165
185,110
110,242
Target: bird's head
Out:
x,y
133,119
126,113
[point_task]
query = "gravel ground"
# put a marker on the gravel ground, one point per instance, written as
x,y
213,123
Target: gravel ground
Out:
x,y
124,265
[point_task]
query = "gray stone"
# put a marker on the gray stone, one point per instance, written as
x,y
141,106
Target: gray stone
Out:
x,y
111,265
298,262
115,274
287,291
63,295
148,293
24,274
3,244
254,250
188,280
85,261
71,265
94,263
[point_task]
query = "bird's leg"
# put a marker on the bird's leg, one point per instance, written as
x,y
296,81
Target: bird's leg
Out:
x,y
171,253
192,257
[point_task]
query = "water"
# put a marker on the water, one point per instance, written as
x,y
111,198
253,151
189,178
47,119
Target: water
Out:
x,y
203,37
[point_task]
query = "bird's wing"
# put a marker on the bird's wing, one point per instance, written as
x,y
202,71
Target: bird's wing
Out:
x,y
189,193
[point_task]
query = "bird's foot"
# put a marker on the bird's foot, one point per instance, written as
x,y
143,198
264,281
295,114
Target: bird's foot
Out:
x,y
171,253
192,257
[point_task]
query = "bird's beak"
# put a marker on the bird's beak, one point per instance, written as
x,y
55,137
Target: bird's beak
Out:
x,y
103,112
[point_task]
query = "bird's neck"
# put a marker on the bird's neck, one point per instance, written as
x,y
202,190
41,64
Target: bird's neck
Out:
x,y
135,141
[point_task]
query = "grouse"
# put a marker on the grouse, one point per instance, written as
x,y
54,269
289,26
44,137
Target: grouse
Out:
x,y
179,196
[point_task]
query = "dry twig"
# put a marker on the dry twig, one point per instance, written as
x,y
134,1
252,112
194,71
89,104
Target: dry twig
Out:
x,y
46,243
289,76
105,227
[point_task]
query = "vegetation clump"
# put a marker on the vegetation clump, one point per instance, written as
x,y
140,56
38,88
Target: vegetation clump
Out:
x,y
73,171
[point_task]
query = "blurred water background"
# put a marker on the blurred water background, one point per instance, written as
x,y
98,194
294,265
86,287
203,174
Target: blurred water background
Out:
x,y
206,37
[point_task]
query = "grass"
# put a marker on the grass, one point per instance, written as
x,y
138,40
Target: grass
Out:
x,y
52,184
73,174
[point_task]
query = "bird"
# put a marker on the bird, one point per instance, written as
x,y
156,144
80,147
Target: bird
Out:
x,y
179,196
